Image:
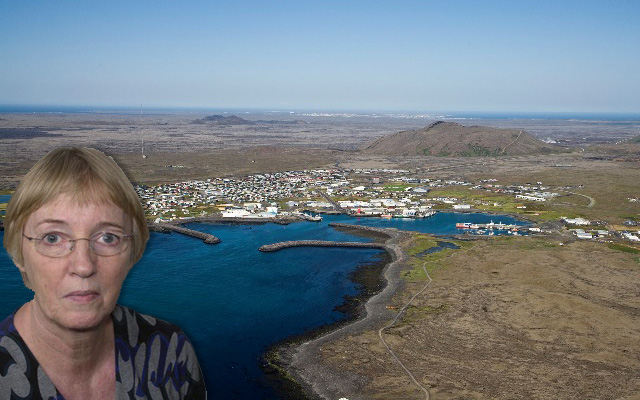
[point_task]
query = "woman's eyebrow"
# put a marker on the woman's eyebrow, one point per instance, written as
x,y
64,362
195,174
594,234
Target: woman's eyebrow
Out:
x,y
110,224
51,221
101,225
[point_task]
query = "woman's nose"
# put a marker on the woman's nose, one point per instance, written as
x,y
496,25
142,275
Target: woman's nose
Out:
x,y
83,260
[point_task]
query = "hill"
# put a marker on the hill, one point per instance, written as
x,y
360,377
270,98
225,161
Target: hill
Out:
x,y
235,120
452,139
222,120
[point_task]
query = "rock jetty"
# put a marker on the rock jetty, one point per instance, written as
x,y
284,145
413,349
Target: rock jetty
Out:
x,y
319,243
206,237
327,243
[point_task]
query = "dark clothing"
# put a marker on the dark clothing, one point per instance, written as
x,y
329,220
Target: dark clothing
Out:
x,y
154,360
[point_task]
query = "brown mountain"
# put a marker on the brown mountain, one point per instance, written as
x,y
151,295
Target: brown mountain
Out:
x,y
222,120
451,139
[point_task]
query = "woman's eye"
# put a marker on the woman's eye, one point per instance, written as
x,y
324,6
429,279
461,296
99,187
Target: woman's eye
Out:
x,y
52,238
109,238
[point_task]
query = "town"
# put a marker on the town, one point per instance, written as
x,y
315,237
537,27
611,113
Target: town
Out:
x,y
385,193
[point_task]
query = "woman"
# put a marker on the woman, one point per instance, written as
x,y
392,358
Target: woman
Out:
x,y
74,228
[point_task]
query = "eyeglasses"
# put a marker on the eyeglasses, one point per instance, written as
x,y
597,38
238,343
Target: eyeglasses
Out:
x,y
56,244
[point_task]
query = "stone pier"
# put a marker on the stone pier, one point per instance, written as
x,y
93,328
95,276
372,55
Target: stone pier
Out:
x,y
319,243
206,237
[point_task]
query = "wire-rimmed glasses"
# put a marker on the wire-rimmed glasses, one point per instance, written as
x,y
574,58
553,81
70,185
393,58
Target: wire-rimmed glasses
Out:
x,y
58,244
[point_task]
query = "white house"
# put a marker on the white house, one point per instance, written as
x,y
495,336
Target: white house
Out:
x,y
235,213
576,221
530,198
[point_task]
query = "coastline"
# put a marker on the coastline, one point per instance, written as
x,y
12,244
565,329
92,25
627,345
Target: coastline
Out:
x,y
292,367
292,364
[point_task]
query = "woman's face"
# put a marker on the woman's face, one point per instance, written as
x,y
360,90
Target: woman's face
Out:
x,y
80,289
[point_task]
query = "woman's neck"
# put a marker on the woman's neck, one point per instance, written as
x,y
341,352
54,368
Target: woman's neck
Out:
x,y
79,353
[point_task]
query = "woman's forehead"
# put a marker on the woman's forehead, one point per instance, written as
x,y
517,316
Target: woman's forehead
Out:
x,y
66,209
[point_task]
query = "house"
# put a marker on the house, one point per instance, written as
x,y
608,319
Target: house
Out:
x,y
630,236
584,235
530,198
235,212
576,221
252,206
462,206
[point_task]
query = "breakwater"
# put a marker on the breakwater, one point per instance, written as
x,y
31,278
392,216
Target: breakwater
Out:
x,y
216,219
327,243
206,237
319,243
384,231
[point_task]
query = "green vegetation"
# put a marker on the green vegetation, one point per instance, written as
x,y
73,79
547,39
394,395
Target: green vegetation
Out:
x,y
622,247
396,186
504,203
475,150
413,313
484,200
432,261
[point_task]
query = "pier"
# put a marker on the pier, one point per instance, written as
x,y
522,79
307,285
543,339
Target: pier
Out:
x,y
206,237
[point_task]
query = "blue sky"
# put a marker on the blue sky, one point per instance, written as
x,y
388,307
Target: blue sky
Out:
x,y
422,56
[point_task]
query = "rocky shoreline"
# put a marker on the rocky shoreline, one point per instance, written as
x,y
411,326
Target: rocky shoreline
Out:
x,y
296,361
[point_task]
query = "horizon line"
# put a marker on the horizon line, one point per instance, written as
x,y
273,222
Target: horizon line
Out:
x,y
59,108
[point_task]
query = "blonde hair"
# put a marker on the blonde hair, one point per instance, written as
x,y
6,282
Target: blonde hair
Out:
x,y
89,176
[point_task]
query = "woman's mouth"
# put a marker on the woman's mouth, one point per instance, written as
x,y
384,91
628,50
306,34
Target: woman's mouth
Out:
x,y
82,296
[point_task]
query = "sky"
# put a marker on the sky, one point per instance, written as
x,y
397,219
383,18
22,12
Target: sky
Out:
x,y
394,55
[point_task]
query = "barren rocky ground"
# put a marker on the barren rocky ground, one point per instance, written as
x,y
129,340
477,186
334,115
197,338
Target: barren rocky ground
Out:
x,y
503,318
509,318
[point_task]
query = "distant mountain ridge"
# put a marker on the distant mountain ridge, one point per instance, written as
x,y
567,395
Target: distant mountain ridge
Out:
x,y
222,120
235,120
451,139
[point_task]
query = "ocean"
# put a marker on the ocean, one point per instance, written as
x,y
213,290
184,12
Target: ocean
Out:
x,y
234,301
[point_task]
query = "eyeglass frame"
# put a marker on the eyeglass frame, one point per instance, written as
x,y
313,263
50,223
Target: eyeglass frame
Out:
x,y
73,244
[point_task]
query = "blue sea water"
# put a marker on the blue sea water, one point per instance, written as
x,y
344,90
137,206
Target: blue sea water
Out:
x,y
234,301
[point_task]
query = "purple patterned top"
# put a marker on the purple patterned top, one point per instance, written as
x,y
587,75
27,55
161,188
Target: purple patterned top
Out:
x,y
154,360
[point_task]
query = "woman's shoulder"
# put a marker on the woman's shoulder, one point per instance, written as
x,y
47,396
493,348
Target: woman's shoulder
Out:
x,y
6,325
130,323
151,354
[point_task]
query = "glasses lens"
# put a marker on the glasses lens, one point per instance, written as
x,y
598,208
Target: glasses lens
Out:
x,y
108,244
53,245
101,243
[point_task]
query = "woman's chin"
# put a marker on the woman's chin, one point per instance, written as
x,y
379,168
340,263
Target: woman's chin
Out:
x,y
83,320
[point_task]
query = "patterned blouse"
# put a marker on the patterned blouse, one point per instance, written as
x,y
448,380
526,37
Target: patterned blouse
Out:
x,y
154,360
